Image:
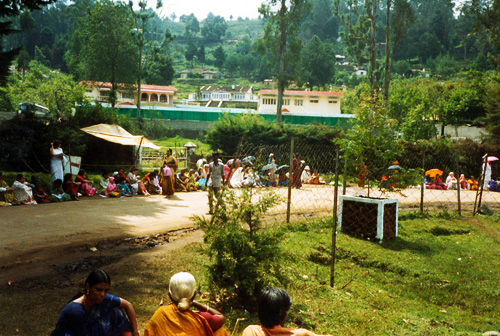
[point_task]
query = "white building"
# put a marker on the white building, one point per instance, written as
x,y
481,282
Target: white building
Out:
x,y
294,101
225,93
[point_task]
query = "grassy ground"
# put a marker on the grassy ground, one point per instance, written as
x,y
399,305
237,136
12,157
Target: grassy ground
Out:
x,y
439,277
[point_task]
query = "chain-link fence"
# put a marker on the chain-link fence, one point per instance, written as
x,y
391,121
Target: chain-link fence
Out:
x,y
304,176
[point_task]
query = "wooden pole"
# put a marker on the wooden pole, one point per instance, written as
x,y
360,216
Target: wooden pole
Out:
x,y
423,185
459,186
344,178
290,172
479,192
334,229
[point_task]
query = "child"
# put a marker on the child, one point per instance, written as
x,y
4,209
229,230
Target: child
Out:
x,y
56,192
71,187
84,188
123,188
112,189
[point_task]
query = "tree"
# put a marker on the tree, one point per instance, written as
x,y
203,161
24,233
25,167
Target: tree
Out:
x,y
10,9
316,63
214,27
280,42
109,54
191,25
191,51
493,108
201,54
160,71
220,57
148,48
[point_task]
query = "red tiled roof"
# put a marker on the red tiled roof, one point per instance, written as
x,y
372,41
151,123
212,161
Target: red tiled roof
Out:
x,y
303,93
144,87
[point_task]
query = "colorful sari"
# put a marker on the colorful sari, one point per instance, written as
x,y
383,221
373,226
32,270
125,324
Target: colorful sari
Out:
x,y
7,196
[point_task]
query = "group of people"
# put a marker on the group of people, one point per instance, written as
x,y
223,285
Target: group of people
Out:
x,y
95,312
451,182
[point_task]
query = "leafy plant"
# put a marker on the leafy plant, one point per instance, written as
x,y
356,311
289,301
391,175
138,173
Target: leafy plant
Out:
x,y
244,257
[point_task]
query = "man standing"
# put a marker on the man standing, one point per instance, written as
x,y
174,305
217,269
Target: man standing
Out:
x,y
216,172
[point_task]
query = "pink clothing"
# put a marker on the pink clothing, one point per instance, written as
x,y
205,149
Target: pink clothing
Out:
x,y
167,171
111,186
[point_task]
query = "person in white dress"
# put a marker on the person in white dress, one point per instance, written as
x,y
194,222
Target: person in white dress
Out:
x,y
56,161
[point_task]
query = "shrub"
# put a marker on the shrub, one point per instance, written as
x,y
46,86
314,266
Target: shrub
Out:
x,y
245,258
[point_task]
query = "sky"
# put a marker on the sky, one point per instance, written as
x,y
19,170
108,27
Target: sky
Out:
x,y
200,8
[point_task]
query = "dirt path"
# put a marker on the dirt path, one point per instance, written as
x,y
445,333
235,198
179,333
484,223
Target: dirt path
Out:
x,y
35,239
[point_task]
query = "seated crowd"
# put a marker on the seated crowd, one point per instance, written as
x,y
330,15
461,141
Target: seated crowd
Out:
x,y
94,312
451,182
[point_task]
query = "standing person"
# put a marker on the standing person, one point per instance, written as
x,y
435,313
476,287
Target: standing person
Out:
x,y
56,161
167,184
94,312
296,172
273,306
216,172
172,163
177,317
487,176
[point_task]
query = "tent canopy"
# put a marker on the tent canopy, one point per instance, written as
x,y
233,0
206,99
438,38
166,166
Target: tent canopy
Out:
x,y
117,134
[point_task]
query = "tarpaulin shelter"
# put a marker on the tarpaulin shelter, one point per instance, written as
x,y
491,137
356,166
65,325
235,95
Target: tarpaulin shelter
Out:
x,y
117,134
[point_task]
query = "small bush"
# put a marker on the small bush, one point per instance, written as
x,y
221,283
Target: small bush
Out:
x,y
245,258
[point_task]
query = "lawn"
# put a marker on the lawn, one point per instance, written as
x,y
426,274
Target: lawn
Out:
x,y
439,277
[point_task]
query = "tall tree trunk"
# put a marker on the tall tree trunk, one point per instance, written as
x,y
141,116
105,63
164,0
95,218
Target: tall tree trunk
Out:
x,y
387,64
281,67
139,79
373,47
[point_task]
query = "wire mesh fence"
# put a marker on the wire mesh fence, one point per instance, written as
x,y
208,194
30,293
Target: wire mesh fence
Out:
x,y
303,175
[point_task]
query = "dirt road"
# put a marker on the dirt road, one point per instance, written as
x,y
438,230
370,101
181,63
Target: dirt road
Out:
x,y
35,238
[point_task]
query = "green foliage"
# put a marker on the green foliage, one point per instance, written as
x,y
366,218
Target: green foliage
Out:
x,y
493,108
160,70
52,89
245,258
371,139
214,27
109,53
317,65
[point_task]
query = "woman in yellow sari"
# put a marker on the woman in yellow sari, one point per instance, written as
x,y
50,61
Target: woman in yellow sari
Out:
x,y
177,318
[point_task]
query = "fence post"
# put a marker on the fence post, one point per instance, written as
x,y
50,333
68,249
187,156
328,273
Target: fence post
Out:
x,y
423,185
344,177
459,186
290,172
334,229
479,192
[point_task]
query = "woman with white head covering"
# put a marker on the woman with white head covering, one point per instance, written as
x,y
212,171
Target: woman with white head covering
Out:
x,y
306,175
178,319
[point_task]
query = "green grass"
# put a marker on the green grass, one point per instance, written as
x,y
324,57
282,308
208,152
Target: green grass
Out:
x,y
439,277
180,142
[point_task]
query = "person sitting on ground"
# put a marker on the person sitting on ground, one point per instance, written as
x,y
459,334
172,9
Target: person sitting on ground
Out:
x,y
494,185
94,312
451,181
237,178
22,191
306,175
71,187
273,305
57,192
473,184
136,185
112,188
437,183
181,182
177,318
195,185
120,173
7,193
84,188
151,183
316,179
39,194
123,188
463,182
103,183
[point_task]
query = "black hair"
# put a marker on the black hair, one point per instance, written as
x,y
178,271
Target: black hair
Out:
x,y
57,143
19,176
94,278
133,168
81,172
152,174
105,173
122,179
57,183
67,177
1,173
273,304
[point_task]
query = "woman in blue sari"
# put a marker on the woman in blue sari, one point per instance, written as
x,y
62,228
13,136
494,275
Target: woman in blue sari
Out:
x,y
94,312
